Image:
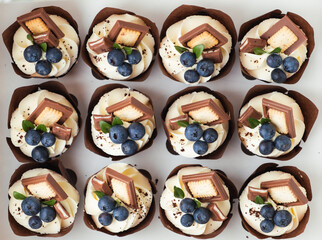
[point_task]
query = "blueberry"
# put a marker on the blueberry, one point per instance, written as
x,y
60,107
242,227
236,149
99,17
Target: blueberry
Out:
x,y
120,213
106,203
193,132
48,139
35,222
115,57
201,215
105,218
32,53
282,218
54,55
129,147
187,205
125,69
32,137
266,147
290,64
267,131
267,211
186,220
135,57
136,131
205,67
43,67
118,134
40,154
188,59
200,147
191,76
31,206
278,75
274,60
267,225
210,135
282,143
47,214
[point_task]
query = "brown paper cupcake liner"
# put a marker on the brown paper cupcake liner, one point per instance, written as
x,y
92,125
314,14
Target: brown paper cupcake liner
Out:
x,y
101,16
298,20
303,180
228,107
233,195
8,34
54,165
146,222
89,143
309,110
21,93
184,11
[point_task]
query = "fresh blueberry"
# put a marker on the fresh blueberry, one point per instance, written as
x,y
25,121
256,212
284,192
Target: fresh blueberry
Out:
x,y
186,220
115,57
282,218
105,218
32,137
267,131
47,214
188,59
135,57
125,69
35,222
210,135
48,139
118,134
193,132
31,206
267,225
205,67
191,76
267,211
200,147
187,205
278,75
136,131
106,203
32,53
129,147
291,64
43,67
54,55
266,147
120,213
274,60
282,143
40,154
201,215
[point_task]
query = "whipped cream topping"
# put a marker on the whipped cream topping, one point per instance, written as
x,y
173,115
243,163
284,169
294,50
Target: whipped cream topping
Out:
x,y
171,57
251,138
177,138
25,108
143,192
68,45
70,204
145,47
102,140
256,65
171,204
250,210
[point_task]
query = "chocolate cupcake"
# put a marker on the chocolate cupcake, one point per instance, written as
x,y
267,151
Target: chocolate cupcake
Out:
x,y
273,202
197,201
43,43
273,121
275,47
197,44
120,45
43,121
43,200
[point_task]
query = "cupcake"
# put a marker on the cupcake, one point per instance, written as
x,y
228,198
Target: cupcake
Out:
x,y
273,121
43,200
120,122
120,45
119,200
197,45
273,202
197,201
198,123
43,43
275,47
43,121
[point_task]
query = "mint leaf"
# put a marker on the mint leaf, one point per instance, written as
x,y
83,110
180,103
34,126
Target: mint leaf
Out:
x,y
197,203
117,202
43,46
253,122
18,196
27,125
99,194
196,122
197,50
264,120
29,37
117,121
182,123
178,193
41,127
50,203
259,200
105,126
180,49
116,46
259,51
276,50
127,50
268,203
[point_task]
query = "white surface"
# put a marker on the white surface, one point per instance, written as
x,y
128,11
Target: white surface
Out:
x,y
156,159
